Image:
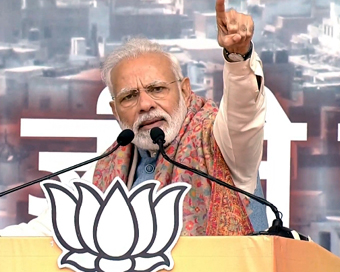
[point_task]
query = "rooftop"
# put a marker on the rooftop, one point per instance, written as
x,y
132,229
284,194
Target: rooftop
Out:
x,y
191,44
67,3
328,76
24,50
87,75
314,63
5,48
24,69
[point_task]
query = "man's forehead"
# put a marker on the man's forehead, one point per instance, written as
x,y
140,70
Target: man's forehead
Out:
x,y
142,71
144,61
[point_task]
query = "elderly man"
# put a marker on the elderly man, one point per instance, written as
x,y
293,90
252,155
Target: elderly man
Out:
x,y
148,90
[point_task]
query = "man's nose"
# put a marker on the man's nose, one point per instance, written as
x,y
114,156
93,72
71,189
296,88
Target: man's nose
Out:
x,y
146,102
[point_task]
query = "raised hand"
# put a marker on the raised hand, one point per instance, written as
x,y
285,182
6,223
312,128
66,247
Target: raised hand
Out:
x,y
235,30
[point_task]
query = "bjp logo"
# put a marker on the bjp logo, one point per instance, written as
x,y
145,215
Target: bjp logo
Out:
x,y
118,230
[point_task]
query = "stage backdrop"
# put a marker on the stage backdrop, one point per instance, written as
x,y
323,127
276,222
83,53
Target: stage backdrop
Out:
x,y
54,108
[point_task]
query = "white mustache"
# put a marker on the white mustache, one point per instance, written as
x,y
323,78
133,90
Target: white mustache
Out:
x,y
149,116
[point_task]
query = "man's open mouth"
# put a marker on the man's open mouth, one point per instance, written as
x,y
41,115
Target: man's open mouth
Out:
x,y
151,123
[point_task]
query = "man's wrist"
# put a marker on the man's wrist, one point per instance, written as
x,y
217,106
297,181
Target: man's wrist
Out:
x,y
235,57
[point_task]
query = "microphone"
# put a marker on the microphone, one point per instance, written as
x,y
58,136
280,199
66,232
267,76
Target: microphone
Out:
x,y
157,135
123,139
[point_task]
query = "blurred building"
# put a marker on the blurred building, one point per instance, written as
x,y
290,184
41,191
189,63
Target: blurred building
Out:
x,y
286,26
286,17
63,92
205,50
52,24
213,80
16,91
10,20
294,8
330,29
15,55
239,5
10,159
43,91
152,19
191,6
205,25
279,72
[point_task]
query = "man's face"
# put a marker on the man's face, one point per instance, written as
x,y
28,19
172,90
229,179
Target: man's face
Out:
x,y
168,113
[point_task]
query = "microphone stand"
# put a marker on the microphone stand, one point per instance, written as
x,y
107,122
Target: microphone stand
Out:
x,y
124,138
277,227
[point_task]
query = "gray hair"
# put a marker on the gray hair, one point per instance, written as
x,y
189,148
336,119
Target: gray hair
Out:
x,y
131,49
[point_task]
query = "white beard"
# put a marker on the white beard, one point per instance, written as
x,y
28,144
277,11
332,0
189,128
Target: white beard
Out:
x,y
171,129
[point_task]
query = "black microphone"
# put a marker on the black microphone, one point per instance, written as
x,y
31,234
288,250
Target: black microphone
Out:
x,y
277,228
123,139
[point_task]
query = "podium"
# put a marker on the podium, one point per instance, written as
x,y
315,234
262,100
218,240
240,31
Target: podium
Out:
x,y
199,254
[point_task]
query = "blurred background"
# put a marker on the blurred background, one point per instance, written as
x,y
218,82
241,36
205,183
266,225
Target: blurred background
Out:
x,y
54,111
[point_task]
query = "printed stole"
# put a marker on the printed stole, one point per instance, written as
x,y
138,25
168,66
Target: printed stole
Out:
x,y
209,208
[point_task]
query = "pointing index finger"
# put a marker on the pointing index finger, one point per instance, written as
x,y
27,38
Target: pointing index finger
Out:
x,y
220,11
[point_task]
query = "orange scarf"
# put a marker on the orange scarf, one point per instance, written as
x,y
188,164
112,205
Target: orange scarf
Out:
x,y
208,209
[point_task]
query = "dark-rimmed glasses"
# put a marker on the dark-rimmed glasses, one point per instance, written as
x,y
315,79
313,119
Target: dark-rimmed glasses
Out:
x,y
129,98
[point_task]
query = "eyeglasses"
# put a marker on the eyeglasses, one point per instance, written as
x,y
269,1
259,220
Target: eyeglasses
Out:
x,y
129,98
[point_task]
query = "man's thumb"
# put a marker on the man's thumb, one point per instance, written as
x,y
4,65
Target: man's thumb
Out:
x,y
236,38
230,40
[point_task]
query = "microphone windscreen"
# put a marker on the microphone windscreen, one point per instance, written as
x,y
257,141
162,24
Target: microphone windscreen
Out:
x,y
157,134
125,137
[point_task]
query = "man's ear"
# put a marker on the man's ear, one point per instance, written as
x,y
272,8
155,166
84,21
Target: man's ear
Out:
x,y
186,90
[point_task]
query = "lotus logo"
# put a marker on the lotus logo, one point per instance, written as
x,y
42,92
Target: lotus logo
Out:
x,y
118,230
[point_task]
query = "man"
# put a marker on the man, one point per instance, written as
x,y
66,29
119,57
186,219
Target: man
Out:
x,y
148,90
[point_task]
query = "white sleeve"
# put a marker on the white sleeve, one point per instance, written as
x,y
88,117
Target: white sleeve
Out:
x,y
41,225
238,128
